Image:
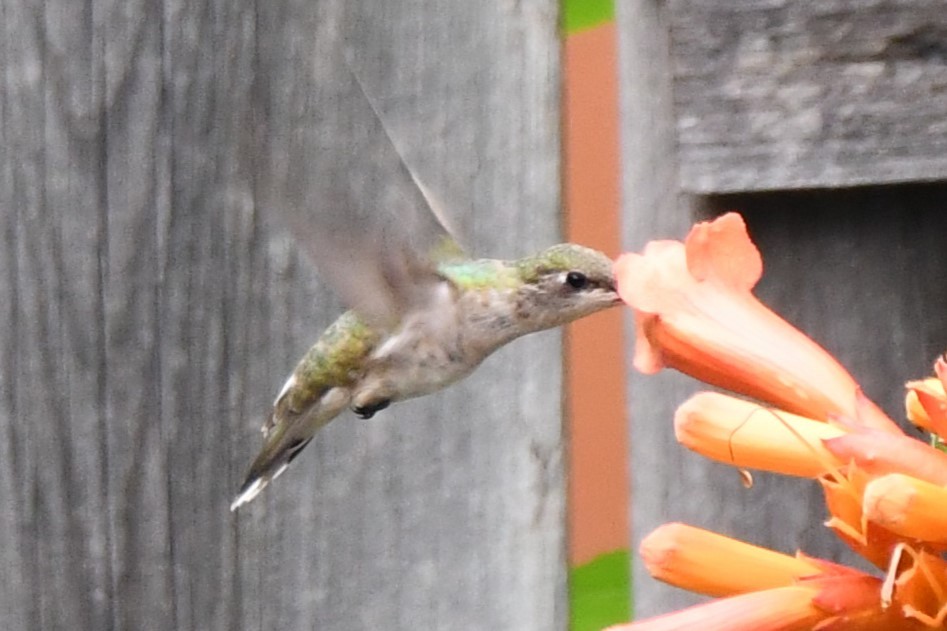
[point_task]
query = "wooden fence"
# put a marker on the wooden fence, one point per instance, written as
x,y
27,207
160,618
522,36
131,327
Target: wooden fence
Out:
x,y
154,305
153,308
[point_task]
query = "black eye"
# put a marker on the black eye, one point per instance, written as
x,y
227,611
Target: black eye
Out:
x,y
577,280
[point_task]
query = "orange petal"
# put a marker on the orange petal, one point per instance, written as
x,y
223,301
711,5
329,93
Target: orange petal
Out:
x,y
940,369
854,602
694,312
887,621
691,558
879,453
908,507
926,405
868,414
843,497
721,251
745,434
921,589
851,591
779,609
847,601
912,406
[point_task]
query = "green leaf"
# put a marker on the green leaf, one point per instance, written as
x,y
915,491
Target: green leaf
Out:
x,y
600,592
579,15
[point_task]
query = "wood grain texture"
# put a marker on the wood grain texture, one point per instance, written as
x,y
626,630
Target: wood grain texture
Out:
x,y
857,269
777,95
154,307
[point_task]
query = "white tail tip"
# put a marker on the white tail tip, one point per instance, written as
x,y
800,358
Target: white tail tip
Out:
x,y
248,493
253,489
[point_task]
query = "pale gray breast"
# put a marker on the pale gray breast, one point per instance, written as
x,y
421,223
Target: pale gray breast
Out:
x,y
424,354
435,347
490,318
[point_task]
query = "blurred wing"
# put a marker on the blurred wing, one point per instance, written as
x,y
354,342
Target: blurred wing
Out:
x,y
340,184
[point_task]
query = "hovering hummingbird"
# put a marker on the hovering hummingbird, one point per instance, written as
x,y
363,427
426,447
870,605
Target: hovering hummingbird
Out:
x,y
422,314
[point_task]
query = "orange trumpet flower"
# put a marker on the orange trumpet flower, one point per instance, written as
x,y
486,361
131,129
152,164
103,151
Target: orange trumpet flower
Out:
x,y
695,312
885,491
769,591
748,435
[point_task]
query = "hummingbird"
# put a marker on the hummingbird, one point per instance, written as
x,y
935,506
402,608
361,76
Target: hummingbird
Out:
x,y
422,314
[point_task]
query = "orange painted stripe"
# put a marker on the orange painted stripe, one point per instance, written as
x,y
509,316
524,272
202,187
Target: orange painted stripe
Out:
x,y
599,492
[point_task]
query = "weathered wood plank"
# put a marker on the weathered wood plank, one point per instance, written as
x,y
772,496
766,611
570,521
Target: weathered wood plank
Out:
x,y
54,415
779,95
855,269
154,309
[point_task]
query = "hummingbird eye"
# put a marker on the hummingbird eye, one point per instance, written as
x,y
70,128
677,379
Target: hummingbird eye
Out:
x,y
577,280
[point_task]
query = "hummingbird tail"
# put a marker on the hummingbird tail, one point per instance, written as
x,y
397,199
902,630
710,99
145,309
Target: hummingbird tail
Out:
x,y
267,467
249,490
286,433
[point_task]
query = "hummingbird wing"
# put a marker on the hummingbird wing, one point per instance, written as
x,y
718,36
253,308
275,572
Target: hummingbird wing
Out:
x,y
374,231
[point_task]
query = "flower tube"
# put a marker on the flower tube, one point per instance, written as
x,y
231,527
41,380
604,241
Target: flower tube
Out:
x,y
747,435
691,558
694,311
848,601
909,507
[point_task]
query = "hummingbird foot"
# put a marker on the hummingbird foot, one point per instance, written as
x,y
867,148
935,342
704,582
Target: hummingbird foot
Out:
x,y
368,410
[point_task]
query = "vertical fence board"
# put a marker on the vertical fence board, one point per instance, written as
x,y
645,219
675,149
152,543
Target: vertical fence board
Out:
x,y
153,308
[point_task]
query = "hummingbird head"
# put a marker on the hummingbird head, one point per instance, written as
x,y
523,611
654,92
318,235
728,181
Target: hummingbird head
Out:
x,y
564,283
